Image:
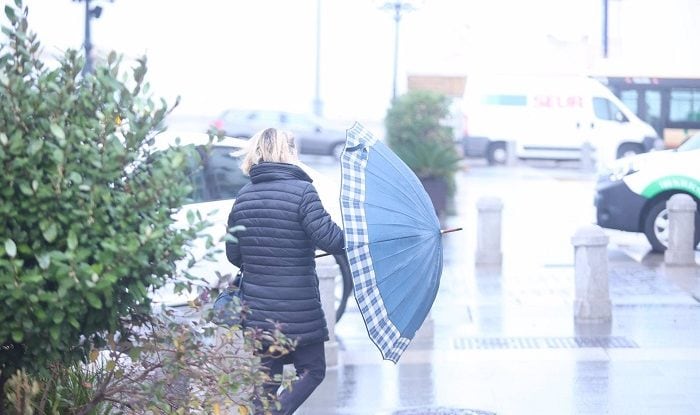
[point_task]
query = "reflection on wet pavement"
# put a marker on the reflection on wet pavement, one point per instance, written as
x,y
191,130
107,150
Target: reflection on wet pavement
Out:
x,y
502,340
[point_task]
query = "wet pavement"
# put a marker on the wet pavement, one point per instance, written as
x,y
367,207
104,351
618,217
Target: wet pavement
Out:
x,y
502,340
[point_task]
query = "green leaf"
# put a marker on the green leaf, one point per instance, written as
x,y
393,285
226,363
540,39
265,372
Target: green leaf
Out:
x,y
58,317
58,155
55,332
59,134
93,300
72,240
17,336
50,232
34,147
10,248
32,278
10,13
25,189
44,260
75,177
73,322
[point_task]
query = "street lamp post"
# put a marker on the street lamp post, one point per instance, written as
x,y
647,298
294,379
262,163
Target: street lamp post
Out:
x,y
318,104
605,28
94,12
398,7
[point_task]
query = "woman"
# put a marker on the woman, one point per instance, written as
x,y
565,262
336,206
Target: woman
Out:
x,y
284,223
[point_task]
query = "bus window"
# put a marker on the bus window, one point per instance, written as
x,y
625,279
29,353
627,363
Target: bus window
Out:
x,y
652,115
629,98
685,104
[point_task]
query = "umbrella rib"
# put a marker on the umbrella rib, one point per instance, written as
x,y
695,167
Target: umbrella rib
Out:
x,y
395,211
383,240
397,168
407,197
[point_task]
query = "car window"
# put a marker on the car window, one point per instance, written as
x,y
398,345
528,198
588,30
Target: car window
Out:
x,y
216,175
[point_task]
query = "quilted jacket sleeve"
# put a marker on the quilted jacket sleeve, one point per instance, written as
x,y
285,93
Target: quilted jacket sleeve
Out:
x,y
319,225
233,250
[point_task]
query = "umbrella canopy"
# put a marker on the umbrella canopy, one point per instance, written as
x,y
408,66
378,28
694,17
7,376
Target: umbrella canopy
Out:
x,y
393,240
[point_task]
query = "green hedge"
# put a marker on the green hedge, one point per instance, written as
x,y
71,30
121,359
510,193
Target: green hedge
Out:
x,y
85,212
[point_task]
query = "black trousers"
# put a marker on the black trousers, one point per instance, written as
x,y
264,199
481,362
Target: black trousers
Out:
x,y
310,364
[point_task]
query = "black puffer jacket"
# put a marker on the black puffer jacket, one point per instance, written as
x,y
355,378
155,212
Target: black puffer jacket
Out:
x,y
284,223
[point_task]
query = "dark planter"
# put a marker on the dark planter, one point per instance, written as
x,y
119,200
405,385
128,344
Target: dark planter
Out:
x,y
436,187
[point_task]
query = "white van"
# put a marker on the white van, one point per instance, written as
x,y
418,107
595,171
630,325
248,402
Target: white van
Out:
x,y
549,117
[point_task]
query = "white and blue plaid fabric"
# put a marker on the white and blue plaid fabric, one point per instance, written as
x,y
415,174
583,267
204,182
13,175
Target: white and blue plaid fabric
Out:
x,y
352,195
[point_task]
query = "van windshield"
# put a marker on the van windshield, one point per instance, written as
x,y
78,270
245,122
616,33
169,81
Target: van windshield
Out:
x,y
691,143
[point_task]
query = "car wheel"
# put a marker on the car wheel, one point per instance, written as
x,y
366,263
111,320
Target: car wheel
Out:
x,y
337,150
629,149
496,153
343,286
656,226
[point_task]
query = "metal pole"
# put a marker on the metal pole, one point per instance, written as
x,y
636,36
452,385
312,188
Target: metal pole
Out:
x,y
605,28
88,44
397,19
318,104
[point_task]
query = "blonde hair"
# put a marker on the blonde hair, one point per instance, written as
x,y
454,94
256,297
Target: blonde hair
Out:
x,y
271,145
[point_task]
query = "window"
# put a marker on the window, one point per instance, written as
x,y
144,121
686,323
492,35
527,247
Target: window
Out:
x,y
217,176
601,108
515,100
605,109
629,98
685,104
652,102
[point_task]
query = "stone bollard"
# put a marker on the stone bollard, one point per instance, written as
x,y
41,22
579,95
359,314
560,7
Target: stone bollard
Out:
x,y
511,153
681,230
327,270
488,238
587,158
592,303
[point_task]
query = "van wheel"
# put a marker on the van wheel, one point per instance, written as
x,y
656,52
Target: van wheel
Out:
x,y
629,149
656,226
496,153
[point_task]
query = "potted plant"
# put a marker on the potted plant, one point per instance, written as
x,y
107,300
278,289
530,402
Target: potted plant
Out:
x,y
417,134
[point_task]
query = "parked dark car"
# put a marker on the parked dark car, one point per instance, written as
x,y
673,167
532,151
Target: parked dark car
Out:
x,y
315,135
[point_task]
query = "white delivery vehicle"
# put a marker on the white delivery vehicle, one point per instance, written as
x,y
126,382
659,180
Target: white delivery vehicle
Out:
x,y
631,196
549,117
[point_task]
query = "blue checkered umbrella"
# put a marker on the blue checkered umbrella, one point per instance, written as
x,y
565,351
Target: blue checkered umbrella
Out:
x,y
393,240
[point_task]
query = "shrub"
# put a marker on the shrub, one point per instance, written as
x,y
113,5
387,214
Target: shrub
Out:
x,y
416,134
85,223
